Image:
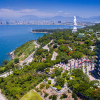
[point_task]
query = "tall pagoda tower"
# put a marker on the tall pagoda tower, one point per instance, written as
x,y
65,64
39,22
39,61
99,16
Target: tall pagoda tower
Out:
x,y
97,61
75,25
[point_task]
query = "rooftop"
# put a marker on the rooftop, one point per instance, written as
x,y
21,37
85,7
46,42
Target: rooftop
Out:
x,y
98,39
90,30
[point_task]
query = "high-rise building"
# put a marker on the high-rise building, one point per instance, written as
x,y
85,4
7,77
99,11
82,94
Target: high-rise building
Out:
x,y
75,25
59,21
97,61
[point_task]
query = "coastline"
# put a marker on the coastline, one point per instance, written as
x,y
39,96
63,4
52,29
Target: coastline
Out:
x,y
12,54
38,32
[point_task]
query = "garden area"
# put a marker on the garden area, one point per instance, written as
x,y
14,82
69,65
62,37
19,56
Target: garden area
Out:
x,y
31,96
46,92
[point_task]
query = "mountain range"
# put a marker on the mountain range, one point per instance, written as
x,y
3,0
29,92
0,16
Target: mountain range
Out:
x,y
55,18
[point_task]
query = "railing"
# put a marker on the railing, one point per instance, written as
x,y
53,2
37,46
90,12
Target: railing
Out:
x,y
56,89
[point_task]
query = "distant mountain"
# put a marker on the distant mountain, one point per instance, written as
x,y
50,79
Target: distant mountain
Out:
x,y
55,18
29,17
58,18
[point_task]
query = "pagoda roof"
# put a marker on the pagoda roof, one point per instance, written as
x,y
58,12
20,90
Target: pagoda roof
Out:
x,y
97,32
91,30
81,35
98,39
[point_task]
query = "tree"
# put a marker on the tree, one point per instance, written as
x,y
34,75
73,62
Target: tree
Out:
x,y
58,71
16,72
47,70
47,86
74,96
58,88
42,86
52,75
76,54
77,73
49,81
16,60
64,57
5,62
88,42
81,31
60,81
55,45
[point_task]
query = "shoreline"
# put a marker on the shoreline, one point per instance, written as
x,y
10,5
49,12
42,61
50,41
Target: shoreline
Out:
x,y
12,54
38,32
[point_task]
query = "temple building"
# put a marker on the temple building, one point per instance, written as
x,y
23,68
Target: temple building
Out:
x,y
90,30
97,33
81,35
75,25
97,61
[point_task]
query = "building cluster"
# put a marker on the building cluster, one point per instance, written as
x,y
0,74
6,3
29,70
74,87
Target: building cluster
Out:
x,y
13,22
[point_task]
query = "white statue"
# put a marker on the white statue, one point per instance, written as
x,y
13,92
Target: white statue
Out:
x,y
75,25
75,20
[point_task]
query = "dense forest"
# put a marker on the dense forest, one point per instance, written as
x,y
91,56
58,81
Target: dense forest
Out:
x,y
49,30
95,28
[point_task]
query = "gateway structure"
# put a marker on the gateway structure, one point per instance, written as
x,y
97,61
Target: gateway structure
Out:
x,y
75,25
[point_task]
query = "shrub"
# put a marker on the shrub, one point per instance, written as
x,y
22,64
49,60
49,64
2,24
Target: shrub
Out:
x,y
42,86
37,89
54,97
49,81
58,88
63,96
52,75
69,91
74,96
47,86
46,94
50,97
41,92
16,60
55,45
24,63
46,79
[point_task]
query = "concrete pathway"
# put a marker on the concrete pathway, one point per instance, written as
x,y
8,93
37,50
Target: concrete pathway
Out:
x,y
35,42
2,97
5,74
70,48
92,47
46,46
54,56
30,57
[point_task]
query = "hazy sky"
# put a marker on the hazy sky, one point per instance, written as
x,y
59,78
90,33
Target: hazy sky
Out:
x,y
49,8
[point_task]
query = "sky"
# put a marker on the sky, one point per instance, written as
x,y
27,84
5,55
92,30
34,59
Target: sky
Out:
x,y
49,8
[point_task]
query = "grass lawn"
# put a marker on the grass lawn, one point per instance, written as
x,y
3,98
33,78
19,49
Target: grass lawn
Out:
x,y
31,96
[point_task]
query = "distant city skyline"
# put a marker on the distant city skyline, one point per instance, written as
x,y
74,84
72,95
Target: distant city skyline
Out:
x,y
49,8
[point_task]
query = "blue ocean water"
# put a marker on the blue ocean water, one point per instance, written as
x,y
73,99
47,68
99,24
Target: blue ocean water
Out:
x,y
13,36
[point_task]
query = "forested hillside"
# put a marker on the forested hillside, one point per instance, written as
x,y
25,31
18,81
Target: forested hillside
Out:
x,y
66,44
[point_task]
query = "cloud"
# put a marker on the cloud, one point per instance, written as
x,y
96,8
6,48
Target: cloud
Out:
x,y
19,13
60,11
66,13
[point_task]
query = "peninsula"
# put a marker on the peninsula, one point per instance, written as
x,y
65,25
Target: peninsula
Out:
x,y
48,30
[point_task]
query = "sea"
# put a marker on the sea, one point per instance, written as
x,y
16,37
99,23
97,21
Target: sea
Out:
x,y
13,36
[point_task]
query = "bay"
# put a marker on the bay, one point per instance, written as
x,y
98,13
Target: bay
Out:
x,y
13,36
